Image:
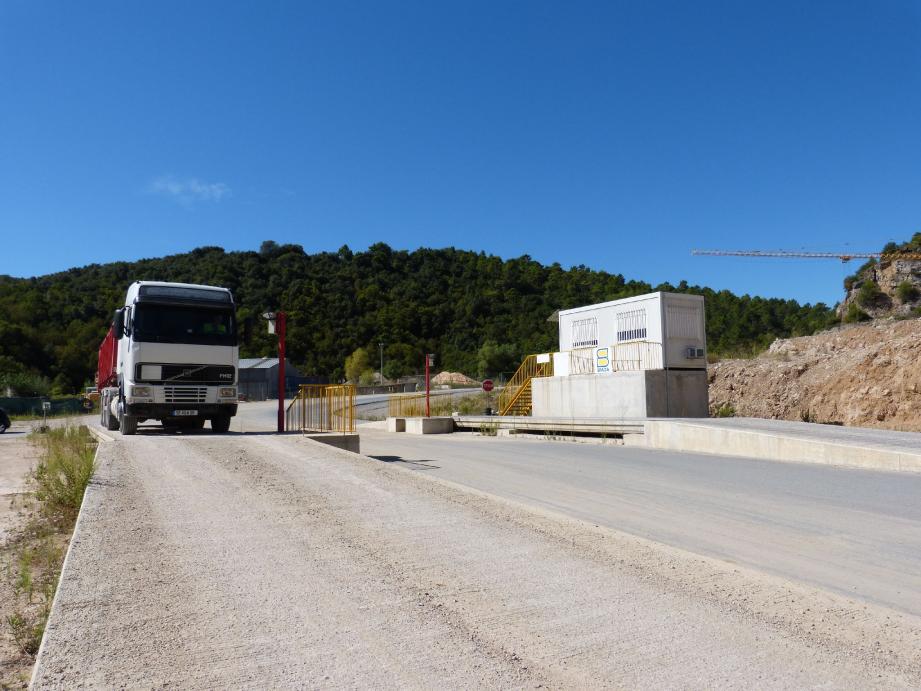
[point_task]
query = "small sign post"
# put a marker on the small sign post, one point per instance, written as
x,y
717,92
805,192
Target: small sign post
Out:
x,y
487,387
46,408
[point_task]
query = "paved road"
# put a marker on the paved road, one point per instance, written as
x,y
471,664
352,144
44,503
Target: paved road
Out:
x,y
258,561
852,531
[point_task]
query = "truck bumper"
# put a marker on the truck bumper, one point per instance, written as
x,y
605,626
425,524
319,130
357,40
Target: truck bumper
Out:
x,y
159,411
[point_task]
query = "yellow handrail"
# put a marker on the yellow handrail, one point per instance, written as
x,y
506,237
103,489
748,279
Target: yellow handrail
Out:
x,y
533,366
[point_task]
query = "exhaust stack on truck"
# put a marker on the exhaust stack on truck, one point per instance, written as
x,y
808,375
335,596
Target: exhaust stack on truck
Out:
x,y
170,355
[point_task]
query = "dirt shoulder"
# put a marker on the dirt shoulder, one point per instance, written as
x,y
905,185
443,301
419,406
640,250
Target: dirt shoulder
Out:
x,y
17,458
266,561
866,375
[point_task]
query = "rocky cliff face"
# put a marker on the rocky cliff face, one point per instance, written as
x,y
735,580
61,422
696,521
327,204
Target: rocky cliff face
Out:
x,y
867,375
888,288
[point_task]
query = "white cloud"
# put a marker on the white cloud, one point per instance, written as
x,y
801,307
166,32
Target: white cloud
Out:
x,y
188,191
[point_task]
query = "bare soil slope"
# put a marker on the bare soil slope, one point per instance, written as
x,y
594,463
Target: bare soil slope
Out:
x,y
866,375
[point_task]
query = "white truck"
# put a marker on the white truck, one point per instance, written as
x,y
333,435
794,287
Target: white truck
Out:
x,y
170,355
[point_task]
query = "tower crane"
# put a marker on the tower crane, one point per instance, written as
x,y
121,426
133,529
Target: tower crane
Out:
x,y
783,254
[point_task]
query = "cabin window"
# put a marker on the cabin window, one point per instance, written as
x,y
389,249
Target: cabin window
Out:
x,y
631,326
585,333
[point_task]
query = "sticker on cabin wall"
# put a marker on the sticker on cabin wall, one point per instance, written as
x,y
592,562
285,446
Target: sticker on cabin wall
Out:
x,y
602,360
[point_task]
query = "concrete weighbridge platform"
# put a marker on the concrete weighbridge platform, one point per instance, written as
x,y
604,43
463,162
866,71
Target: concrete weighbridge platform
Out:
x,y
777,440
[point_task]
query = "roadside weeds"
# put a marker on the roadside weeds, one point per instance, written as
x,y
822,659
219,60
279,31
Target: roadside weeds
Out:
x,y
33,556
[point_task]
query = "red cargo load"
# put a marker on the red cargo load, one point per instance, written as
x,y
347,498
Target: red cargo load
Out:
x,y
108,355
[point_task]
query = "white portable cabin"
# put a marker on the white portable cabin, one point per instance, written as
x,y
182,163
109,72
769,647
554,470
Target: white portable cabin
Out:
x,y
646,332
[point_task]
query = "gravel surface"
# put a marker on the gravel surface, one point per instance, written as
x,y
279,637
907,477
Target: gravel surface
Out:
x,y
262,561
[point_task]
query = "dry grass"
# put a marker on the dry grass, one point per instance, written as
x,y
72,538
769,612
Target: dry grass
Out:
x,y
33,557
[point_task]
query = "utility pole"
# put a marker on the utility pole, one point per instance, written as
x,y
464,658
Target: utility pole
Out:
x,y
281,323
277,325
381,346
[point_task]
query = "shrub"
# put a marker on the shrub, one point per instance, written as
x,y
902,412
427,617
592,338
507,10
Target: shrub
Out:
x,y
906,292
64,471
725,410
27,631
854,314
868,294
489,429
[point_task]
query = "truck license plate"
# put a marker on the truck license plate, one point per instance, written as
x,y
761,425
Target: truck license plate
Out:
x,y
185,412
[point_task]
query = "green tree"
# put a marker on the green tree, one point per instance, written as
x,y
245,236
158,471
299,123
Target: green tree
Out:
x,y
356,365
494,359
401,359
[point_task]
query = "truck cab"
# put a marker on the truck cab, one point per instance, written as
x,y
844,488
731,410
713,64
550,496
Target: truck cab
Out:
x,y
172,354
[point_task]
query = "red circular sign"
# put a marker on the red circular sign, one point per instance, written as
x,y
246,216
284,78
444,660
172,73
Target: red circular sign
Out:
x,y
487,385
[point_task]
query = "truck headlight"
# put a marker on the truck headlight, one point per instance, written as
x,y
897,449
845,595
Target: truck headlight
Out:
x,y
141,392
227,392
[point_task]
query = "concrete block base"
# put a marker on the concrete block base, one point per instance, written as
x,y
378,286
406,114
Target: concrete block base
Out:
x,y
346,442
429,425
396,424
641,394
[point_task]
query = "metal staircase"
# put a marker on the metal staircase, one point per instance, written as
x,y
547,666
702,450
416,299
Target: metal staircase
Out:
x,y
515,398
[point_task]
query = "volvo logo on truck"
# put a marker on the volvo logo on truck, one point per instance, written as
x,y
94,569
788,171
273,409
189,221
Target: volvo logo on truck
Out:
x,y
170,355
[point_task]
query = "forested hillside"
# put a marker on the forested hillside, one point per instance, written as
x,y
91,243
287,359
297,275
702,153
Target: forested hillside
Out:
x,y
446,301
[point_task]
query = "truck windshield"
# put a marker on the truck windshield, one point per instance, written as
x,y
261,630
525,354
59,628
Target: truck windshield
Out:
x,y
173,324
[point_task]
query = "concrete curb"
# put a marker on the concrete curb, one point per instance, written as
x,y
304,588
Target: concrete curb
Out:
x,y
99,435
55,605
776,446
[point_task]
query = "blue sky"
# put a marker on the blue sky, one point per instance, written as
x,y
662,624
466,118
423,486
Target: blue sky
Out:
x,y
619,135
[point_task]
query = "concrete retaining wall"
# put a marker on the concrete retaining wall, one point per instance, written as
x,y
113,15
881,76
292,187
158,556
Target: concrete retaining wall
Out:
x,y
622,395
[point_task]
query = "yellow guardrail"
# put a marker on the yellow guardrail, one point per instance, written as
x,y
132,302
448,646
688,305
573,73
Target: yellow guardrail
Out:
x,y
406,405
322,408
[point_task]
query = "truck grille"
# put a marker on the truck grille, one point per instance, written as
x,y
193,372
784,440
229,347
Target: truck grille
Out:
x,y
151,372
185,394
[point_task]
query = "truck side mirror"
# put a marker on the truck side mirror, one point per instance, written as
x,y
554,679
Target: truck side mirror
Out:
x,y
119,324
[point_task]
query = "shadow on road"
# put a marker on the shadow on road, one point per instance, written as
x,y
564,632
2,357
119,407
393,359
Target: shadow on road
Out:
x,y
426,464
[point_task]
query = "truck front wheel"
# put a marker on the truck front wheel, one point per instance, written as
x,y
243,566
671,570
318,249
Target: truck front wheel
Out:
x,y
220,424
111,421
129,424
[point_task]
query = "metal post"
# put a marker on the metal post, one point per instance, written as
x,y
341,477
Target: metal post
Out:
x,y
428,360
381,345
280,323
